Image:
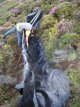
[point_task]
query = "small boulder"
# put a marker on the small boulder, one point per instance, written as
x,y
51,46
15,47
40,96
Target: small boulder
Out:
x,y
2,29
7,80
7,24
60,56
16,11
77,2
77,16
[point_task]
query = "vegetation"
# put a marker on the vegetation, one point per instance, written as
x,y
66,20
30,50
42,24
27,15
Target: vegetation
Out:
x,y
74,76
67,9
50,34
68,38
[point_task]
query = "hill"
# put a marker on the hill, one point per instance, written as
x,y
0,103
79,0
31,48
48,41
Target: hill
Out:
x,y
60,32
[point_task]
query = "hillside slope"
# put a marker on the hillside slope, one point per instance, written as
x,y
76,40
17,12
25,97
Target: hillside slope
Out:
x,y
60,32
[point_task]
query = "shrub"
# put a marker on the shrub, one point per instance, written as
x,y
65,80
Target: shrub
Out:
x,y
65,26
5,12
48,21
48,32
54,10
1,21
49,37
74,76
6,56
8,96
67,39
77,27
66,9
45,8
49,1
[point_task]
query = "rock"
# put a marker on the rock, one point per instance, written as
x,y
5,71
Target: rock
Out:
x,y
60,56
77,1
1,43
7,24
61,0
2,106
63,58
12,18
1,68
59,52
77,16
2,29
16,11
7,80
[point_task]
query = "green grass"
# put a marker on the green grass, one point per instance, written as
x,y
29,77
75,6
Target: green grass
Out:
x,y
74,76
75,101
5,11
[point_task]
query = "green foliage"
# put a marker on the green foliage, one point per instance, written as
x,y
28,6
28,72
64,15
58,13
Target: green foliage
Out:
x,y
67,39
75,101
1,59
1,21
27,7
49,1
66,9
11,40
46,8
48,21
72,55
74,76
48,33
8,95
6,56
5,12
77,27
49,37
19,18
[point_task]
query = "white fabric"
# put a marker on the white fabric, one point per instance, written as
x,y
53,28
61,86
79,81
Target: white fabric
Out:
x,y
24,25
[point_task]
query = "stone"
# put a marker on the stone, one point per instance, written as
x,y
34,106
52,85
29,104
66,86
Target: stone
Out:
x,y
2,29
77,1
16,11
7,80
77,16
59,56
7,24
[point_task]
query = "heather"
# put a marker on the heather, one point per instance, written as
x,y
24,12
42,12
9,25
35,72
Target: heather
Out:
x,y
60,32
